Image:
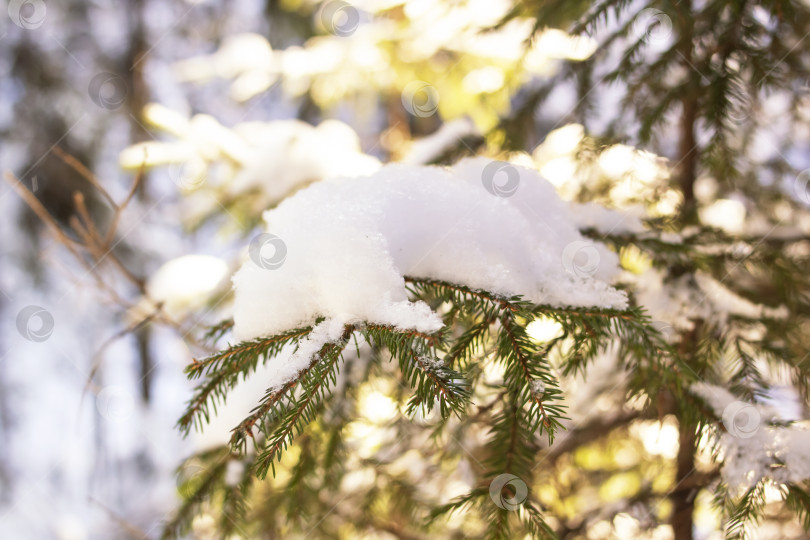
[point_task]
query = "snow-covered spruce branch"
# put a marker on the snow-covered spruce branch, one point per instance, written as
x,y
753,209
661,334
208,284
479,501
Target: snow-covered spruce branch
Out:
x,y
224,369
467,298
528,371
434,382
290,414
444,291
582,325
286,409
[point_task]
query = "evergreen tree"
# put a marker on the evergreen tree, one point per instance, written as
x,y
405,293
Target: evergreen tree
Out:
x,y
476,429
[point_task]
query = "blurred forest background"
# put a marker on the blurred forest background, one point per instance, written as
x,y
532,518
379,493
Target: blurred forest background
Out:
x,y
689,116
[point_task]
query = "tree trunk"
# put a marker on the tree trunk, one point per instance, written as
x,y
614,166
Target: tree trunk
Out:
x,y
683,496
688,153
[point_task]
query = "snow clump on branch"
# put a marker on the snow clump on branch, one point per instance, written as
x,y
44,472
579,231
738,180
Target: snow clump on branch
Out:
x,y
341,249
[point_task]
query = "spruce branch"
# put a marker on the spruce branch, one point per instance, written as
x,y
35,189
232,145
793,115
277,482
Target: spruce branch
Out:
x,y
432,379
300,411
526,369
797,498
435,382
743,513
235,502
473,300
472,340
224,369
272,412
216,332
512,450
486,327
532,518
197,489
459,503
258,347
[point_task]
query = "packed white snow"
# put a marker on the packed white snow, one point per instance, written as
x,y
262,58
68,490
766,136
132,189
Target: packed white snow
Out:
x,y
182,287
432,147
607,221
288,154
754,449
678,302
257,163
340,249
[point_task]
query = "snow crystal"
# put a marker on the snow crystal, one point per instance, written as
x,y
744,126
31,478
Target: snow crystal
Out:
x,y
483,224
